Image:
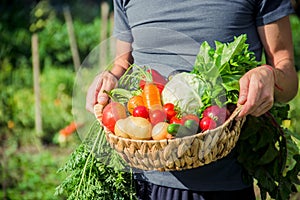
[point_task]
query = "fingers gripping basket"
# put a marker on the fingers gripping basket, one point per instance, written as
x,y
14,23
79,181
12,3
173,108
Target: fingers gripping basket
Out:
x,y
179,153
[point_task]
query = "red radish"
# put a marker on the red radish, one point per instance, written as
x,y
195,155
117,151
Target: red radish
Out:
x,y
157,116
112,113
216,113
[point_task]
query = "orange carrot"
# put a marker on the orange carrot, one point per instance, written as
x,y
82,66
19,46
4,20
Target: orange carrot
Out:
x,y
151,97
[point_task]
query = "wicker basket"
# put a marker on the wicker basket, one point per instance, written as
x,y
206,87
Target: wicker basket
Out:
x,y
179,153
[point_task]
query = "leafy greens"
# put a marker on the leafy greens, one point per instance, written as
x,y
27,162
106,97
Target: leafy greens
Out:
x,y
267,151
222,68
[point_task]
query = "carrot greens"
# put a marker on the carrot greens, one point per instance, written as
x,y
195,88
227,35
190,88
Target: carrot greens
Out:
x,y
95,171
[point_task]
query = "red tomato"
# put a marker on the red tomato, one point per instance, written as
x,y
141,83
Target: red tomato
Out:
x,y
140,111
169,110
157,116
216,113
112,113
190,116
207,123
176,120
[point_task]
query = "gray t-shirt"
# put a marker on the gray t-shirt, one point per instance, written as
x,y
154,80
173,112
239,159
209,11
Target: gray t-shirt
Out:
x,y
166,35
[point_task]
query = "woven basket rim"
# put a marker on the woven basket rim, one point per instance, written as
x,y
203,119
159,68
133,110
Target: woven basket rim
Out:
x,y
219,128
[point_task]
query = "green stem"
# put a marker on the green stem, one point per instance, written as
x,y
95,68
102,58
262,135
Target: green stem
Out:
x,y
132,184
120,91
85,165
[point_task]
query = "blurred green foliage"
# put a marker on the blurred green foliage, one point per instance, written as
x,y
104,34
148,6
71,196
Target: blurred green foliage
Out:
x,y
28,169
31,173
294,104
18,17
17,101
295,22
57,74
40,15
54,45
295,112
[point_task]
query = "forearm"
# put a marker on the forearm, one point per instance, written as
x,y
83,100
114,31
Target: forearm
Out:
x,y
123,58
286,81
277,41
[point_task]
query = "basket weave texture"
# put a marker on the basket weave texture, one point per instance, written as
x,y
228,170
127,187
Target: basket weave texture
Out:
x,y
179,153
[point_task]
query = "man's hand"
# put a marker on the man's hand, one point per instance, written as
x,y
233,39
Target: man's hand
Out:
x,y
105,81
256,91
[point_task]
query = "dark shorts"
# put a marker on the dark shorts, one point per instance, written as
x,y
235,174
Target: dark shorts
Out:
x,y
149,191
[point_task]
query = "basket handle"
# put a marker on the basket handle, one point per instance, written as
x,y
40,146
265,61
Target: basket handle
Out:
x,y
98,111
234,114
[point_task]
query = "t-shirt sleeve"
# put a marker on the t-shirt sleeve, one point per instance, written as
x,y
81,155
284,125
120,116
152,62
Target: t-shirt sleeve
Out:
x,y
269,11
122,29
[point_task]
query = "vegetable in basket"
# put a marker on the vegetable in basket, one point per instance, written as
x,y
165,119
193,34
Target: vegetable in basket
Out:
x,y
170,110
157,79
134,127
112,113
134,102
185,91
140,111
160,131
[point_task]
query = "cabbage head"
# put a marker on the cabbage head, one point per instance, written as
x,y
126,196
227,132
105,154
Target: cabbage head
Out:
x,y
185,90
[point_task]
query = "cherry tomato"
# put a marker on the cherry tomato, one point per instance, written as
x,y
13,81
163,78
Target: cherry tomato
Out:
x,y
169,110
207,123
140,111
176,120
157,116
216,113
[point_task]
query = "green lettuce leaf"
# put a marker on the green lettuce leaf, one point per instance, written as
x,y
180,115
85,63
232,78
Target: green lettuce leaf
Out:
x,y
222,68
